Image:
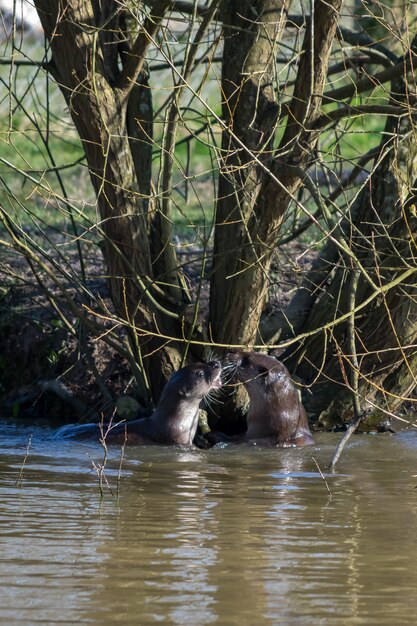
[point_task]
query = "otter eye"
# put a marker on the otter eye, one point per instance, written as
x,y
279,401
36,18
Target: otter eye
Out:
x,y
244,362
263,370
200,374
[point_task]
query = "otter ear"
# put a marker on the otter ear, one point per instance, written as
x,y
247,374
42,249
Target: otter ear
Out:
x,y
183,392
274,374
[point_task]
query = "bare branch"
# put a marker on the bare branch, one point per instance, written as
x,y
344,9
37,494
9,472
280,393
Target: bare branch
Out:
x,y
312,71
367,82
136,56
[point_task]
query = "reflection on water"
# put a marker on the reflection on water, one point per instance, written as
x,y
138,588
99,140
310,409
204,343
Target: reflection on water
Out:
x,y
226,536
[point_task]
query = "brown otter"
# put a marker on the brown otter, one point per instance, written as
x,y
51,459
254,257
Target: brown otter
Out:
x,y
175,419
276,415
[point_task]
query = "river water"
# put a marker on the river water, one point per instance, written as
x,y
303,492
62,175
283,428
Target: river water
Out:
x,y
230,536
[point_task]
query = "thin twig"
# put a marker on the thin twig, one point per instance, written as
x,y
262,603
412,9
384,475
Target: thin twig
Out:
x,y
343,442
323,477
354,371
20,477
122,456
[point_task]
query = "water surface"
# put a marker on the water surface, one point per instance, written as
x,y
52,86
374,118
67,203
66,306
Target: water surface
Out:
x,y
231,536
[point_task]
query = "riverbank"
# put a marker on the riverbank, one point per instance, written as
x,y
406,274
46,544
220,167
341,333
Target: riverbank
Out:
x,y
47,369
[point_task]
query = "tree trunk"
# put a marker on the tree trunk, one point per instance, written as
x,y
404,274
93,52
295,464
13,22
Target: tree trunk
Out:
x,y
83,38
257,184
380,232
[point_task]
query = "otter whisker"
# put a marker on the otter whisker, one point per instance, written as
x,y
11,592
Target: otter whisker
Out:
x,y
212,397
212,408
211,355
229,365
229,372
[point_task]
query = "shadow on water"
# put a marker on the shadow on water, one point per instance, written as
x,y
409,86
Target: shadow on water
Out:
x,y
229,536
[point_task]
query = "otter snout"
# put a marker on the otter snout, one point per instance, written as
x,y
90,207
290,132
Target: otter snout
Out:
x,y
256,367
216,373
234,356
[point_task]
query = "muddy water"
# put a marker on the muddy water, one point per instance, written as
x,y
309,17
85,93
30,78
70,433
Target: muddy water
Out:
x,y
228,536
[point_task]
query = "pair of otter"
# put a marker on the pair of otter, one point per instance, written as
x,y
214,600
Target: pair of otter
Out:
x,y
276,415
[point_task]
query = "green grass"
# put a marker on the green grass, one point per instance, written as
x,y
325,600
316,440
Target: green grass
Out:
x,y
193,200
195,169
357,136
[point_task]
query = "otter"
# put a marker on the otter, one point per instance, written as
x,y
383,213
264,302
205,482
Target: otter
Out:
x,y
276,415
175,419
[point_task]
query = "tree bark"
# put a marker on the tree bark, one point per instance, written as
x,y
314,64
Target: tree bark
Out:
x,y
380,232
256,184
97,94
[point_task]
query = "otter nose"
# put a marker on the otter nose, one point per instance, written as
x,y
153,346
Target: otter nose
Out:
x,y
215,365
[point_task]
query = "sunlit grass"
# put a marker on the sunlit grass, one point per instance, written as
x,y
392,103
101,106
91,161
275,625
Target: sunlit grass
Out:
x,y
39,141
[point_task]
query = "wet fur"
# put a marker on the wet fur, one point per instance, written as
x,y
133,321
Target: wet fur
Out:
x,y
276,415
175,419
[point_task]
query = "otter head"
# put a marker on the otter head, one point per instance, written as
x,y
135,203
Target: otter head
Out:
x,y
193,382
176,415
275,409
258,372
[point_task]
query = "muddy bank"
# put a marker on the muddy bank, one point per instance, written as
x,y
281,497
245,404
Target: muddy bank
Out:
x,y
46,371
49,368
